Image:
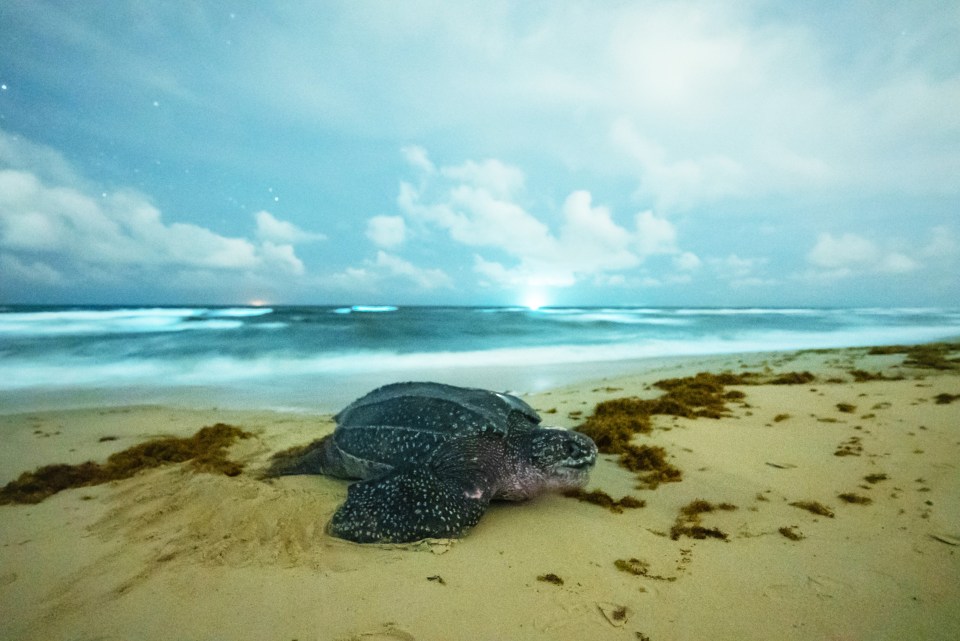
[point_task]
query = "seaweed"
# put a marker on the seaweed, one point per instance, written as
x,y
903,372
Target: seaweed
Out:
x,y
856,499
862,376
791,532
932,356
875,478
946,399
601,498
651,465
702,395
688,522
550,577
206,450
846,408
613,424
814,508
780,418
851,447
632,566
640,568
886,350
927,356
794,378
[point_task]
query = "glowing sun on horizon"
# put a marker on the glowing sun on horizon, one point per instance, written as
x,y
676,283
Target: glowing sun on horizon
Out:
x,y
534,301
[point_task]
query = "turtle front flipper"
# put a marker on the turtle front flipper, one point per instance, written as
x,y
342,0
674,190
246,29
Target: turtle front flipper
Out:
x,y
441,499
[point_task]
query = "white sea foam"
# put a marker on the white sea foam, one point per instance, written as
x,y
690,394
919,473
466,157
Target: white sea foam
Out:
x,y
272,368
239,312
124,321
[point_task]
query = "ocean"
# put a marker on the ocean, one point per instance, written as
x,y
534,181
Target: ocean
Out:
x,y
319,358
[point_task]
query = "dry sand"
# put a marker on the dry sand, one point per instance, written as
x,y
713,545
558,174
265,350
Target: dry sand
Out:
x,y
175,554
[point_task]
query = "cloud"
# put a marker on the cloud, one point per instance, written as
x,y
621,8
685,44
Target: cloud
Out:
x,y
421,277
270,229
120,229
655,235
849,253
740,272
476,204
417,157
679,183
387,231
55,232
492,176
687,262
373,274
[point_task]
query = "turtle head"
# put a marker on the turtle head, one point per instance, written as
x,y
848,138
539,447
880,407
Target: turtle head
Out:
x,y
549,459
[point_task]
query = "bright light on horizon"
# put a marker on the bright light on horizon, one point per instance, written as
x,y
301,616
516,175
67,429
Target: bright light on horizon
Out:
x,y
534,301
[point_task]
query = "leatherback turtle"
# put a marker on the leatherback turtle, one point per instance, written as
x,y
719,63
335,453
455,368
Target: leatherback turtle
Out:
x,y
431,457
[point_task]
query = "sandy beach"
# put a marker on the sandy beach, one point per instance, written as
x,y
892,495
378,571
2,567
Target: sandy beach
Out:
x,y
175,553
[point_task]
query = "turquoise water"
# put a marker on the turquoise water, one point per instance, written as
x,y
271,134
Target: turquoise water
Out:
x,y
319,357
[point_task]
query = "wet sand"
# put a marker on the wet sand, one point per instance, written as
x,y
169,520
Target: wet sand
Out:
x,y
174,553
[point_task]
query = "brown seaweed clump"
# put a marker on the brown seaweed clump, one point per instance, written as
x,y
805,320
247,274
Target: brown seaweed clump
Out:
x,y
651,465
814,508
928,356
689,523
946,399
639,568
794,378
703,395
863,376
614,422
206,450
550,577
853,446
855,499
601,498
791,532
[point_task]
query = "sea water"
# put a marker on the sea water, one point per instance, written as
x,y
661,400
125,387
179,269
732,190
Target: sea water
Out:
x,y
318,358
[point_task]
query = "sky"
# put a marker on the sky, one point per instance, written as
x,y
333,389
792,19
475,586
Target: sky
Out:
x,y
746,153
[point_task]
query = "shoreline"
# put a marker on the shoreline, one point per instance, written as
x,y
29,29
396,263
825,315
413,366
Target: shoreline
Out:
x,y
214,557
327,395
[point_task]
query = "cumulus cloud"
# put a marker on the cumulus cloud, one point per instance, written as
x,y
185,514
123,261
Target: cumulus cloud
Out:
x,y
476,204
271,229
491,175
387,231
678,183
55,232
423,278
120,229
417,156
851,253
687,262
385,268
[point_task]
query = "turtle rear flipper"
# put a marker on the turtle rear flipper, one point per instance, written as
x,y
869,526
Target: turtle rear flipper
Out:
x,y
442,499
306,459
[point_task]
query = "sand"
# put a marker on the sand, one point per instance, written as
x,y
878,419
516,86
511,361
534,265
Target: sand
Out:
x,y
176,554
